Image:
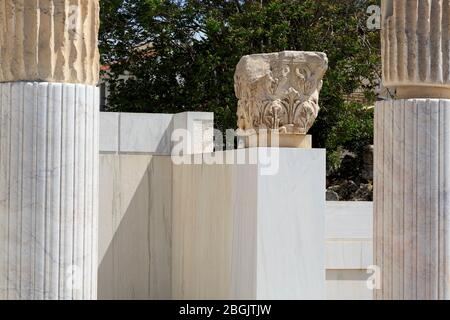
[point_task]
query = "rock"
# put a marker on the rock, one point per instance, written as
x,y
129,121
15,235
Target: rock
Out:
x,y
349,165
332,196
344,190
364,193
348,190
367,172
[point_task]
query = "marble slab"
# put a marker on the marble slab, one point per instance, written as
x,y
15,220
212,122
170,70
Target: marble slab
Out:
x,y
135,227
349,220
242,234
349,249
145,133
349,254
348,285
150,133
149,250
200,126
109,131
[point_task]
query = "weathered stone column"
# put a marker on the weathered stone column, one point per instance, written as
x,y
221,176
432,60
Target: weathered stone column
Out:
x,y
49,107
412,152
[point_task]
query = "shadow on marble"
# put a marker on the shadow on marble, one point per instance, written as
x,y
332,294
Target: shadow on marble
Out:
x,y
135,229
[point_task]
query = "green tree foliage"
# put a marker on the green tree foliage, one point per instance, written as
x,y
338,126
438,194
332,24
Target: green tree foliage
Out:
x,y
196,44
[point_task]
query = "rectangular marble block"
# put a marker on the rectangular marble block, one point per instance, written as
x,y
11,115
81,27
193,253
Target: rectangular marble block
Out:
x,y
250,231
151,133
109,131
135,227
349,248
200,126
349,235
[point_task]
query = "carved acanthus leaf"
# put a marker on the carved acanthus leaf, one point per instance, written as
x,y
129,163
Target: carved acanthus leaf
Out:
x,y
279,91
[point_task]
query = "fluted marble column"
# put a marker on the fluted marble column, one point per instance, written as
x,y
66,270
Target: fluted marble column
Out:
x,y
49,107
412,153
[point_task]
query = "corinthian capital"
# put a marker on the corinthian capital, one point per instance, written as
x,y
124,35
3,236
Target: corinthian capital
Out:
x,y
279,91
49,40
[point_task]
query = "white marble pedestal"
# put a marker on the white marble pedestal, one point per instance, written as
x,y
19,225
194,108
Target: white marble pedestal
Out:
x,y
412,204
48,190
250,231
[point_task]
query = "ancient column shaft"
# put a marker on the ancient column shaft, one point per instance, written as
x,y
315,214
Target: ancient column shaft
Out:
x,y
49,108
412,144
412,203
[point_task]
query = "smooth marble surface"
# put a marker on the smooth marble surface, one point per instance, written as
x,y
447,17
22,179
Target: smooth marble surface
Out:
x,y
200,126
138,239
244,235
349,254
150,133
349,284
48,190
109,131
135,227
202,237
145,133
349,234
349,220
349,249
291,227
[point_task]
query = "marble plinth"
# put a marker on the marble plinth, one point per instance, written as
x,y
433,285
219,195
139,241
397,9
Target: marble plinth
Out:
x,y
349,253
48,190
411,200
245,234
302,141
135,227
